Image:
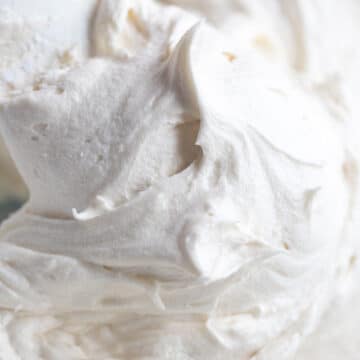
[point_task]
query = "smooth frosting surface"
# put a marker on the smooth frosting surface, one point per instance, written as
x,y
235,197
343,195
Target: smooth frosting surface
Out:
x,y
191,196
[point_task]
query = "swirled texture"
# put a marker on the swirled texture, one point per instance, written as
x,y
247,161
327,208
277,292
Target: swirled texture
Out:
x,y
190,199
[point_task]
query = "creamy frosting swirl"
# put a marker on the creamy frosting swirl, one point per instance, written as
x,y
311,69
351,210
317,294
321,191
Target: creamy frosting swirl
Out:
x,y
175,212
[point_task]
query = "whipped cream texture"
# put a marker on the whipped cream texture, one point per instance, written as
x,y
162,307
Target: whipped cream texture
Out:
x,y
32,42
193,192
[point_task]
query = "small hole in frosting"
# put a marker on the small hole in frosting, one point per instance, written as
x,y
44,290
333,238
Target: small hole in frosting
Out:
x,y
35,138
67,58
40,128
349,169
264,43
37,86
10,86
230,56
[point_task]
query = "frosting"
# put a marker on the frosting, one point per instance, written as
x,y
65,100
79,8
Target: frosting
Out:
x,y
33,41
174,210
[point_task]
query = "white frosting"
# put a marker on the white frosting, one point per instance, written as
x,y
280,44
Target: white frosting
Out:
x,y
32,41
190,198
338,333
